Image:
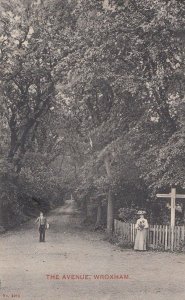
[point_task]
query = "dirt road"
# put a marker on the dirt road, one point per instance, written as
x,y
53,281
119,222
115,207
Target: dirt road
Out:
x,y
67,266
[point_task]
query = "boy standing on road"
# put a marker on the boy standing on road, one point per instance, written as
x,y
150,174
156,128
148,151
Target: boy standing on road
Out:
x,y
42,221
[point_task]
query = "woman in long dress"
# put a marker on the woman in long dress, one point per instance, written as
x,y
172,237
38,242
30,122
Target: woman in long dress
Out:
x,y
141,226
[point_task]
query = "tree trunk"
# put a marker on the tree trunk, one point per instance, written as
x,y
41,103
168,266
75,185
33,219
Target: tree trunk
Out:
x,y
109,214
1,215
110,206
98,217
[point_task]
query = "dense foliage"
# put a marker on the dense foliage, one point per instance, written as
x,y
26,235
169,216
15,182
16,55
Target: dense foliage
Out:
x,y
92,101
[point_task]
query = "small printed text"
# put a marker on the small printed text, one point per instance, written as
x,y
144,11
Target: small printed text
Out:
x,y
87,277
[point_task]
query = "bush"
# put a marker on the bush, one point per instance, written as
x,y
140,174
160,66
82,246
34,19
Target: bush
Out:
x,y
120,241
127,215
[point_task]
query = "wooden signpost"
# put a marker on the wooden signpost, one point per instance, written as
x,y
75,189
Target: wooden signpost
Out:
x,y
173,196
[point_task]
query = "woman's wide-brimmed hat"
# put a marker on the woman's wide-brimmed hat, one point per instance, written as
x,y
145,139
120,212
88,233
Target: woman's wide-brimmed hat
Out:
x,y
141,212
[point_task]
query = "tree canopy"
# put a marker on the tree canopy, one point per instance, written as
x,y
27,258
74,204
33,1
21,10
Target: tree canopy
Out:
x,y
92,99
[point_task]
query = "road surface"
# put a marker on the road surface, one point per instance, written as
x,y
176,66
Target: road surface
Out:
x,y
75,264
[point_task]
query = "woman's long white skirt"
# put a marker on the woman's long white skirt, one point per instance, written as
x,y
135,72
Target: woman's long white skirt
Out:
x,y
140,241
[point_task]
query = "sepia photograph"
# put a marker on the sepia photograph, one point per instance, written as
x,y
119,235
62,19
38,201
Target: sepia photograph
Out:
x,y
92,149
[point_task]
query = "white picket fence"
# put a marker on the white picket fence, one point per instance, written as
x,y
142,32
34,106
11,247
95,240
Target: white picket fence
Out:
x,y
158,236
